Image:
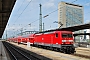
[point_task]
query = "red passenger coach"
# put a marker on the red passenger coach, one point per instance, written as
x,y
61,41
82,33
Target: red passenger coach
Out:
x,y
60,40
31,39
28,38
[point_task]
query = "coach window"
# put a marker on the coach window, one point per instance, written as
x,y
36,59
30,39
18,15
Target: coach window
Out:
x,y
56,35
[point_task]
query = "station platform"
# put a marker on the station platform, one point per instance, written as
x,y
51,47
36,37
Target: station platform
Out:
x,y
3,52
53,55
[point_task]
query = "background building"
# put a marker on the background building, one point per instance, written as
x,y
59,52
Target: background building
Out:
x,y
70,14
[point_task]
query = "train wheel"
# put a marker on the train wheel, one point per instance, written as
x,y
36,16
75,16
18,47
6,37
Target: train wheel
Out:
x,y
58,49
72,52
52,48
61,50
47,47
39,46
68,51
44,47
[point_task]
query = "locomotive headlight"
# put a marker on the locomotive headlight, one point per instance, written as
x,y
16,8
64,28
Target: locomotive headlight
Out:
x,y
70,40
63,40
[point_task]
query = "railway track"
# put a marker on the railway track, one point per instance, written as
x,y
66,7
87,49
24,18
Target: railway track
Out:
x,y
18,54
82,52
57,55
85,55
83,49
80,55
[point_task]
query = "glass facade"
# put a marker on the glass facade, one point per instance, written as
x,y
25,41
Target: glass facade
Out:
x,y
70,14
74,16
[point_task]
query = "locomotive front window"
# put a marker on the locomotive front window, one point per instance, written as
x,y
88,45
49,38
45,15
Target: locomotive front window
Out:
x,y
70,35
67,35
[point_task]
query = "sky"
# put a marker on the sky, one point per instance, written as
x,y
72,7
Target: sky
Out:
x,y
26,12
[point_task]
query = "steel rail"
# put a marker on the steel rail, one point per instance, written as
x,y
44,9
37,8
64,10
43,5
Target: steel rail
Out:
x,y
8,46
11,52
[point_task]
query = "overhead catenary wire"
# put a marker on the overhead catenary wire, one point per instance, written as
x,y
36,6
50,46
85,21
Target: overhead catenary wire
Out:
x,y
23,11
31,23
47,15
20,6
56,10
38,19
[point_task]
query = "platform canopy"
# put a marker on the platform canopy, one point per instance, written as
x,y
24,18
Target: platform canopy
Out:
x,y
6,7
72,28
77,27
81,34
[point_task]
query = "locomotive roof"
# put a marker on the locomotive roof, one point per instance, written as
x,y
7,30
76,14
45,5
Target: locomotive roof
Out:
x,y
53,30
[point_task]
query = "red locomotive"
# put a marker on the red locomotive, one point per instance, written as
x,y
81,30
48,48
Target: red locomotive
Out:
x,y
59,40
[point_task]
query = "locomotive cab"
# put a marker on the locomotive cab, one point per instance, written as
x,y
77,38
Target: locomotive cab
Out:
x,y
67,42
67,38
